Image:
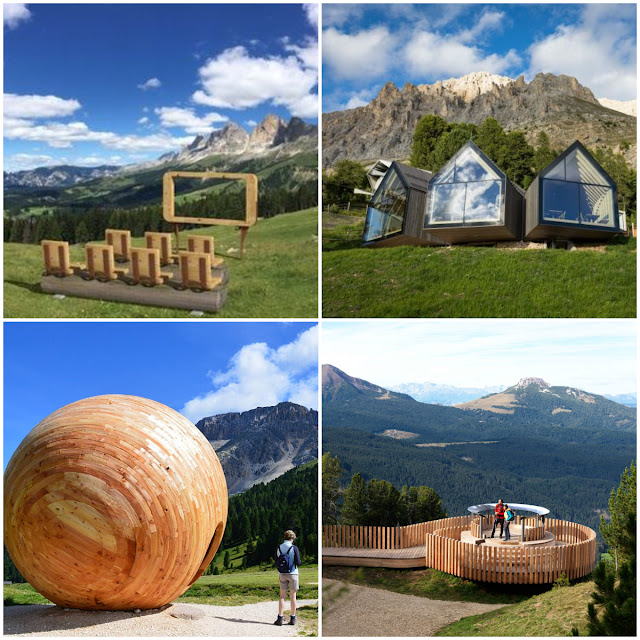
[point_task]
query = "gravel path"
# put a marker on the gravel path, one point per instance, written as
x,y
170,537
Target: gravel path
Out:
x,y
352,610
246,620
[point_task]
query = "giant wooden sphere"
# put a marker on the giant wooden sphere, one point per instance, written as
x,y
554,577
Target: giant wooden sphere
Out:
x,y
114,502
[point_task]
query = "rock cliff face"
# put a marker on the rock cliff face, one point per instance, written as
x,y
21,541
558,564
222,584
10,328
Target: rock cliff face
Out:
x,y
261,444
556,104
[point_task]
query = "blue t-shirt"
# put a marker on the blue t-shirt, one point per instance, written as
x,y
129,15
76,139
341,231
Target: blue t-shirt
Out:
x,y
284,548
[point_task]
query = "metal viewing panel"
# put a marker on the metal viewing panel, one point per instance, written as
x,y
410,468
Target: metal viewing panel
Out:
x,y
251,192
490,506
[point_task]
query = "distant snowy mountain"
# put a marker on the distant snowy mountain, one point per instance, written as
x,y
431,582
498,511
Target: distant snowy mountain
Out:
x,y
623,106
630,399
445,394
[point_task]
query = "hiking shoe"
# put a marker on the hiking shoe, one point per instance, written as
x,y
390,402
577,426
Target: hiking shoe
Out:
x,y
278,621
292,620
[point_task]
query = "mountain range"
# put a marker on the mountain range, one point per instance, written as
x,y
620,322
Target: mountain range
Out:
x,y
555,446
263,443
557,104
446,394
271,137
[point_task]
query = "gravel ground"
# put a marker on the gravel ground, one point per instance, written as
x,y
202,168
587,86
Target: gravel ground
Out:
x,y
246,620
352,610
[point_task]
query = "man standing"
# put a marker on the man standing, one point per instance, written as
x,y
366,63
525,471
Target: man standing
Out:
x,y
287,562
499,509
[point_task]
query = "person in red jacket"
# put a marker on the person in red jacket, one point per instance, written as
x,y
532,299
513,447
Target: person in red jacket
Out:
x,y
499,518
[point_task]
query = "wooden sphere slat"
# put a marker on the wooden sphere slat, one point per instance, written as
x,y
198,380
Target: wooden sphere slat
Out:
x,y
114,502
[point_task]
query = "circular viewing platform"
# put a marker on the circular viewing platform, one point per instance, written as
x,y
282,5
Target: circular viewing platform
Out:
x,y
463,546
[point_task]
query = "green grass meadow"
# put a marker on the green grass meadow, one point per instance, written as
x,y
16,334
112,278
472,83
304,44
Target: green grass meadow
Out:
x,y
277,278
228,589
465,281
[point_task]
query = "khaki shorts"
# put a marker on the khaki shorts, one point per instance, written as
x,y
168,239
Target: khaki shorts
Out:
x,y
289,580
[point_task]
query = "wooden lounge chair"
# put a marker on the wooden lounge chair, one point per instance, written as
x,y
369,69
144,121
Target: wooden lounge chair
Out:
x,y
161,241
145,267
120,240
204,244
195,269
56,258
101,262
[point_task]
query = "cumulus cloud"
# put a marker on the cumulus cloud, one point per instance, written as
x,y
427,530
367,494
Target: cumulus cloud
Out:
x,y
362,55
29,161
259,375
14,13
237,80
26,107
143,120
151,83
599,50
188,120
311,11
429,54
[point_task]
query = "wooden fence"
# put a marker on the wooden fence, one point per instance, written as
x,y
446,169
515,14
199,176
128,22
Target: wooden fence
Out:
x,y
573,555
413,535
535,528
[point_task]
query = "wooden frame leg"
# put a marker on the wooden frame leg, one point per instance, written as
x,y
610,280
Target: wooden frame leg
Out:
x,y
243,235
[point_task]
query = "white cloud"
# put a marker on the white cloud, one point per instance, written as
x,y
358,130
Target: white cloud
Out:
x,y
359,99
24,161
311,10
429,54
489,21
335,15
362,55
599,50
14,13
26,107
258,375
251,123
188,120
236,80
151,83
143,120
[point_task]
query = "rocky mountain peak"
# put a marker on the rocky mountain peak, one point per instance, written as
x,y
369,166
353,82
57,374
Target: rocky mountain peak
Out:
x,y
470,86
526,382
266,132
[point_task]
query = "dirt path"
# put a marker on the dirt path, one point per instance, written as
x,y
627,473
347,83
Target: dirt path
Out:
x,y
352,610
246,620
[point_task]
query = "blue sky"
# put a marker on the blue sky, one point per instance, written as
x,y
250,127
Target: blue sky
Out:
x,y
365,46
199,369
594,355
91,84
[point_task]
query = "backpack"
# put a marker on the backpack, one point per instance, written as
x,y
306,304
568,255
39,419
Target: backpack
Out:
x,y
284,562
510,515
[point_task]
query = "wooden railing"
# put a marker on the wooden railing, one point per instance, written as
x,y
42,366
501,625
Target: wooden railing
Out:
x,y
412,535
573,555
535,528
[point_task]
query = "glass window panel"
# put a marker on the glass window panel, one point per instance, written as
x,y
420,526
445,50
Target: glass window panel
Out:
x,y
470,167
386,211
447,175
375,224
557,173
446,203
560,201
483,201
580,167
596,205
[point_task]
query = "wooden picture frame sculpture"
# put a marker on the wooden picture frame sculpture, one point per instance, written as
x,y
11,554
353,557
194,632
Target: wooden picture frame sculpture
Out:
x,y
251,201
114,503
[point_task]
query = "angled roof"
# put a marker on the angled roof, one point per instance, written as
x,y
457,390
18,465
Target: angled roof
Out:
x,y
412,177
590,177
469,144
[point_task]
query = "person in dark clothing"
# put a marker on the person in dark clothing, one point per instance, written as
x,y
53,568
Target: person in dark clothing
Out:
x,y
499,509
288,575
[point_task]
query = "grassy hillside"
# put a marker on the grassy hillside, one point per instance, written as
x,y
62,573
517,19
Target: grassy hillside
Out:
x,y
467,281
276,278
550,614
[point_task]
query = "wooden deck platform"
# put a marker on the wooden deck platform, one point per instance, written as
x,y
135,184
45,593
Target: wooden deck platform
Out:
x,y
388,558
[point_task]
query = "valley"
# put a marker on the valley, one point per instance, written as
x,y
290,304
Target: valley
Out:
x,y
565,460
